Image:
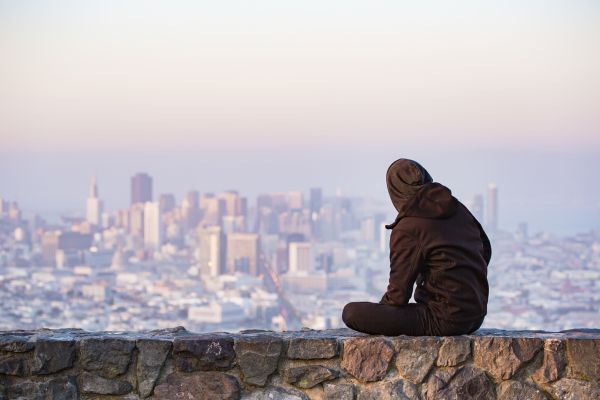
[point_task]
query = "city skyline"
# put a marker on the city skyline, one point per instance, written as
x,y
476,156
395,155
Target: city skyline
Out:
x,y
223,260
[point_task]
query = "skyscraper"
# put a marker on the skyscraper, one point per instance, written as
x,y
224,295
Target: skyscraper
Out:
x,y
94,205
153,229
141,188
491,212
316,200
242,253
300,257
211,251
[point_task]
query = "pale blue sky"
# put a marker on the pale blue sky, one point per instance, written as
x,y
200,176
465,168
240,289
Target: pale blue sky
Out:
x,y
278,95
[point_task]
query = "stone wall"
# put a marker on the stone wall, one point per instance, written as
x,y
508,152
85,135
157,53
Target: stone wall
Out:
x,y
332,364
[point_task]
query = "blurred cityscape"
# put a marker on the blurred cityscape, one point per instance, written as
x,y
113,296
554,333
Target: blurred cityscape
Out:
x,y
288,260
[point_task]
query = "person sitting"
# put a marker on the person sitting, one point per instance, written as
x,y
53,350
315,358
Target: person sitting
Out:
x,y
438,244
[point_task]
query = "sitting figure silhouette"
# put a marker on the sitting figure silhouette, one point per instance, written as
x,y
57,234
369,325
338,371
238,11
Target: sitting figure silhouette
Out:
x,y
439,245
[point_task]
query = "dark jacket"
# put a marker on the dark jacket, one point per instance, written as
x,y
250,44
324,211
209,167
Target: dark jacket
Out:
x,y
437,243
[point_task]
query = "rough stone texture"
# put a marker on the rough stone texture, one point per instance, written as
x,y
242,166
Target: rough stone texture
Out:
x,y
203,353
502,357
13,364
554,362
258,357
91,383
394,390
415,356
584,358
51,355
276,393
573,389
168,364
368,358
453,351
338,391
108,357
461,383
307,376
308,348
64,388
15,343
514,390
152,355
199,386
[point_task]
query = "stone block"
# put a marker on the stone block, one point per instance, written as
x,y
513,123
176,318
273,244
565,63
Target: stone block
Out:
x,y
51,355
275,393
502,357
367,358
574,389
462,383
393,390
15,343
309,348
152,354
16,364
415,356
91,383
515,390
203,353
307,376
453,351
583,359
338,391
63,388
108,357
554,362
257,356
198,386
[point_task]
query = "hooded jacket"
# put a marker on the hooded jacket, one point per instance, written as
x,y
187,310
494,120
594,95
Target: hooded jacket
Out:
x,y
437,243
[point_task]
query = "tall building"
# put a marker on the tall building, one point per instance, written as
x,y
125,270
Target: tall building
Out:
x,y
367,230
491,212
300,257
153,229
213,209
94,205
316,200
234,204
295,200
242,253
211,251
167,202
141,188
136,220
191,209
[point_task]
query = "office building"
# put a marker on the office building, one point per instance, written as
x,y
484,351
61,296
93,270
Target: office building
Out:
x,y
153,229
242,253
300,257
141,188
211,251
94,207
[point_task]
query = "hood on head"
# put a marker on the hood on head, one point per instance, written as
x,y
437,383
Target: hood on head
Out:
x,y
404,178
414,194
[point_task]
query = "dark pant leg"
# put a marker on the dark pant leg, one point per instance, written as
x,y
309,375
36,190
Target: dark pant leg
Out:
x,y
384,319
450,328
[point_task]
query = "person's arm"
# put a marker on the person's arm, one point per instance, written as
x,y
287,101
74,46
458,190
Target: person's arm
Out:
x,y
404,268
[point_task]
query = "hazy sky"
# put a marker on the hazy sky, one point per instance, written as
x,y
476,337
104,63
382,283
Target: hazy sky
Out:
x,y
288,94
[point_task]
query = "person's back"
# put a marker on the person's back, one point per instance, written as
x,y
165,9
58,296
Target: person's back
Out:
x,y
437,243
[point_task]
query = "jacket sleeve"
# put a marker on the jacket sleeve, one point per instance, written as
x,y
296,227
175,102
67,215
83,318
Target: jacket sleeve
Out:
x,y
404,268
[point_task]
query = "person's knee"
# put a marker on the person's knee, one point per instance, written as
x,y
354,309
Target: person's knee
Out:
x,y
349,314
